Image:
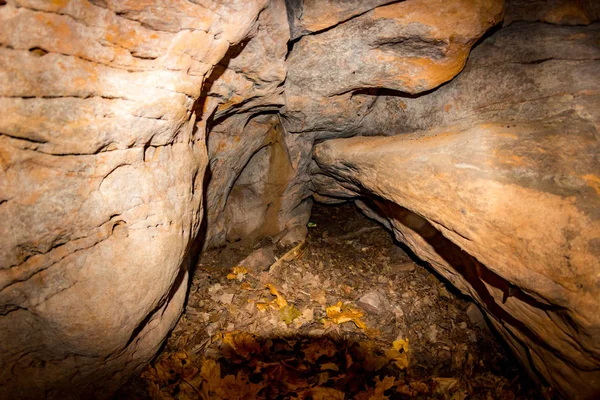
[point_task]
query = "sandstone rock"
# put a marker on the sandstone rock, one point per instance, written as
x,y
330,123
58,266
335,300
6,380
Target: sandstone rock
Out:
x,y
498,212
294,235
543,94
101,187
402,46
309,16
563,12
258,184
552,73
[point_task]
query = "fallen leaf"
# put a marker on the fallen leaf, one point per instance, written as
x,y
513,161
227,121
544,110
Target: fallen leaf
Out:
x,y
330,367
322,393
340,313
211,373
399,353
243,343
240,388
289,314
238,273
400,344
280,301
317,348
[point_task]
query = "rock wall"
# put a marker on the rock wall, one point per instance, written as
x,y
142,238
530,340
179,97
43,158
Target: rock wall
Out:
x,y
102,168
493,179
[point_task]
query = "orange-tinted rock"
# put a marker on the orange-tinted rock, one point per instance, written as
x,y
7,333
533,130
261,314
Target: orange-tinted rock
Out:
x,y
309,16
465,201
101,181
411,46
493,179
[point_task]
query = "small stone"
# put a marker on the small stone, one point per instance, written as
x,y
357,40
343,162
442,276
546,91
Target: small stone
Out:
x,y
463,325
259,259
294,236
407,266
476,317
372,301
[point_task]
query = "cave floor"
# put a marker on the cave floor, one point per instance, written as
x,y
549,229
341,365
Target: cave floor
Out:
x,y
349,316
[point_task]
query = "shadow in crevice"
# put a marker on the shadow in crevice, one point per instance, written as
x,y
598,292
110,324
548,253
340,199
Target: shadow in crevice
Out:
x,y
217,72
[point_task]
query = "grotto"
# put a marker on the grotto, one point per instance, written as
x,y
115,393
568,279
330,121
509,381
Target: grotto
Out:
x,y
300,199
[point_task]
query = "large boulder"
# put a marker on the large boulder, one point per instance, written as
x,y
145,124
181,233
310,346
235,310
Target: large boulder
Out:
x,y
494,180
101,185
411,46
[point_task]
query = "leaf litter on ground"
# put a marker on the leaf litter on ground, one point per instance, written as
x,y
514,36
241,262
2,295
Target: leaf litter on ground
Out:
x,y
300,331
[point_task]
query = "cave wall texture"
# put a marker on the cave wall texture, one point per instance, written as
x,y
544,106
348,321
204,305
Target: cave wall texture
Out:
x,y
133,133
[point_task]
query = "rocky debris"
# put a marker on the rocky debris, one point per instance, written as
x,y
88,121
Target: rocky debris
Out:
x,y
373,301
260,259
476,316
405,266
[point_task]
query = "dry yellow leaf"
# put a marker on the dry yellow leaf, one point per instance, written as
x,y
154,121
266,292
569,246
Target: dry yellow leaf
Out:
x,y
239,387
289,314
400,343
243,343
399,354
340,313
280,301
238,273
211,373
330,367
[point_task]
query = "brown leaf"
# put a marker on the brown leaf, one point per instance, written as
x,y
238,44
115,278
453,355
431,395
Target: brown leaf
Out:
x,y
242,343
322,393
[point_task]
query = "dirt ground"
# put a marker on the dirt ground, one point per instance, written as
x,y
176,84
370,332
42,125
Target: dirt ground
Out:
x,y
347,314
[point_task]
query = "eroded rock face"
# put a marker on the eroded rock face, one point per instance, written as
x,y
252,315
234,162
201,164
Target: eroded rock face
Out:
x,y
410,46
500,192
101,184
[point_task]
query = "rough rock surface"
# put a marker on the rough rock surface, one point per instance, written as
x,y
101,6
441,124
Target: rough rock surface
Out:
x,y
258,185
501,192
310,16
101,182
402,46
561,12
